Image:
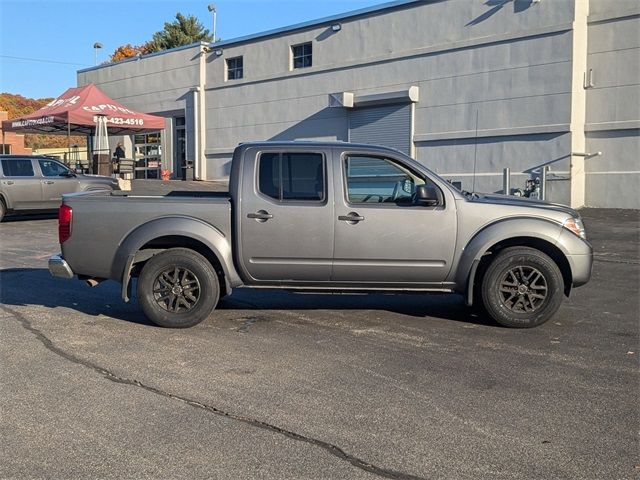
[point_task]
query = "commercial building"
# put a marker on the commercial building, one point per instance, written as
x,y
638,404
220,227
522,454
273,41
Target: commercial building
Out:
x,y
467,87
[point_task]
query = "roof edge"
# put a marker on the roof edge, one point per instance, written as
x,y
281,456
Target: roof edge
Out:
x,y
274,32
316,22
148,55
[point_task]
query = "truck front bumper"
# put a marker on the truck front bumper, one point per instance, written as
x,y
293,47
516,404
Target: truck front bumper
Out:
x,y
58,267
579,255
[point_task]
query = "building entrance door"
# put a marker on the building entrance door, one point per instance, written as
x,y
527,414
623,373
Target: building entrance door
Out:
x,y
148,155
180,147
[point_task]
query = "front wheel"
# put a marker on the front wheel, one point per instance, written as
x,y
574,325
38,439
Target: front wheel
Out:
x,y
178,288
522,287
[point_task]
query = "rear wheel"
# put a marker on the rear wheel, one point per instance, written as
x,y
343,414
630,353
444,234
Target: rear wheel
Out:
x,y
178,288
3,210
522,287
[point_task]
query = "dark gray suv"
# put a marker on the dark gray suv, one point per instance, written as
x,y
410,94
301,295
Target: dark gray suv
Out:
x,y
30,184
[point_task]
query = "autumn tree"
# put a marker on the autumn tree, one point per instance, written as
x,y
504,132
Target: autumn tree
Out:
x,y
127,51
185,30
17,106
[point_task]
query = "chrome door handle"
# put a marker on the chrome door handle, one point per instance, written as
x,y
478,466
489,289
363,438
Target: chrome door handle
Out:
x,y
260,215
48,182
351,218
9,182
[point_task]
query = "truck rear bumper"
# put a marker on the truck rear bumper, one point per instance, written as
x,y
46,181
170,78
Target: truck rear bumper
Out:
x,y
58,267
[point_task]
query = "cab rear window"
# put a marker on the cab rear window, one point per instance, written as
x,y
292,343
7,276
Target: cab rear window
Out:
x,y
295,176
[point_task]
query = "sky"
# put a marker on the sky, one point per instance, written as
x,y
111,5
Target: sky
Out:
x,y
44,42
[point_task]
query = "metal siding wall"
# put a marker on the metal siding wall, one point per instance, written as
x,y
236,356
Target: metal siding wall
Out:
x,y
388,125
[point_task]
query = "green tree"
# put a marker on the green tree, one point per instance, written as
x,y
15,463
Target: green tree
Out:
x,y
183,31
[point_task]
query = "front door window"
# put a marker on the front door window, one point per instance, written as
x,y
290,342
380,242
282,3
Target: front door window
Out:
x,y
51,168
379,180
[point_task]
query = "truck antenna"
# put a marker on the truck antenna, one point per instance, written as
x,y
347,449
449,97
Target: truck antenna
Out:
x,y
475,155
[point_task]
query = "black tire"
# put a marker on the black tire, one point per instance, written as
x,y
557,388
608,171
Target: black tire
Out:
x,y
522,288
178,288
3,209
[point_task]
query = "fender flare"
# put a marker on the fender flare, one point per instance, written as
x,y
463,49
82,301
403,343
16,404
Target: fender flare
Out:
x,y
181,226
494,233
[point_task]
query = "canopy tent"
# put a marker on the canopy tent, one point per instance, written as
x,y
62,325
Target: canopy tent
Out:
x,y
75,112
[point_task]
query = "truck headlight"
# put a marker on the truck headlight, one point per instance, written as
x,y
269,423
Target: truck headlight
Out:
x,y
576,226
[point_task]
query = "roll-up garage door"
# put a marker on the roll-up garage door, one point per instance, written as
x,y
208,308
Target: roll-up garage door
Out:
x,y
388,125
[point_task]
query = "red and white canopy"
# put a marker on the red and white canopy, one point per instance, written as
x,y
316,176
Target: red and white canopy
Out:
x,y
76,111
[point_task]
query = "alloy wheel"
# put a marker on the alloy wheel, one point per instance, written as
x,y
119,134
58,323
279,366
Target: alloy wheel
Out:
x,y
176,289
523,289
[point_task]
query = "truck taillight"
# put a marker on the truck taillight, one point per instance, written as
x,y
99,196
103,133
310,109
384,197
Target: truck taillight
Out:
x,y
65,215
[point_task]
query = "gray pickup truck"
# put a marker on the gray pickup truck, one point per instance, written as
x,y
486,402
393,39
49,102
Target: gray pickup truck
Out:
x,y
326,217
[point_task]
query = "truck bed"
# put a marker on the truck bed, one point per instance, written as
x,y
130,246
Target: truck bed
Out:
x,y
102,221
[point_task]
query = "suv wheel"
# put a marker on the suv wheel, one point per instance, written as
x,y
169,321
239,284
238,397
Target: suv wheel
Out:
x,y
522,287
178,288
3,209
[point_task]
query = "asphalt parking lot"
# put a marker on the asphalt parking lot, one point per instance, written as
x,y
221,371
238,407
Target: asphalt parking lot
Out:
x,y
282,385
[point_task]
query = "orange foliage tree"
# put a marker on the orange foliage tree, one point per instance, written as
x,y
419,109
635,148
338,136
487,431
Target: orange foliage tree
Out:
x,y
17,106
127,51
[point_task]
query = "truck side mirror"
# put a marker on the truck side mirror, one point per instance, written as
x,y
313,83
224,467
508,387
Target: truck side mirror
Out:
x,y
427,196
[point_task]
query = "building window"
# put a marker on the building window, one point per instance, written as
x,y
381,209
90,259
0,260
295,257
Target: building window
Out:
x,y
234,68
6,148
292,176
301,55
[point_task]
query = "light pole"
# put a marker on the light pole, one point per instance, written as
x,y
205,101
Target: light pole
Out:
x,y
96,46
212,8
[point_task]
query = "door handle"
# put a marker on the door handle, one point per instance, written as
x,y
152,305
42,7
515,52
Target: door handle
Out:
x,y
351,218
260,215
9,182
48,182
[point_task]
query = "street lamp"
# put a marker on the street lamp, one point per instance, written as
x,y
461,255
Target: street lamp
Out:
x,y
96,46
212,8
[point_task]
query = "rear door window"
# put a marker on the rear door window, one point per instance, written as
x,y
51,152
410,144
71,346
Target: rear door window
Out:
x,y
292,176
17,168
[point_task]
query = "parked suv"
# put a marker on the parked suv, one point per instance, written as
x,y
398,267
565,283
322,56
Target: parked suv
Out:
x,y
30,184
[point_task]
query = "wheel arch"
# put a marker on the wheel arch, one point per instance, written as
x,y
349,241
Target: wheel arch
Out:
x,y
4,201
532,242
540,234
170,232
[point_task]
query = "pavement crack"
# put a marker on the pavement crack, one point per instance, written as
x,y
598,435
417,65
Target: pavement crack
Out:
x,y
247,323
328,447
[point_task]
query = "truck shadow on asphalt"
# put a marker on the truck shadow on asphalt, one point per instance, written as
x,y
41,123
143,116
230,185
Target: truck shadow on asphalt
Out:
x,y
33,287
